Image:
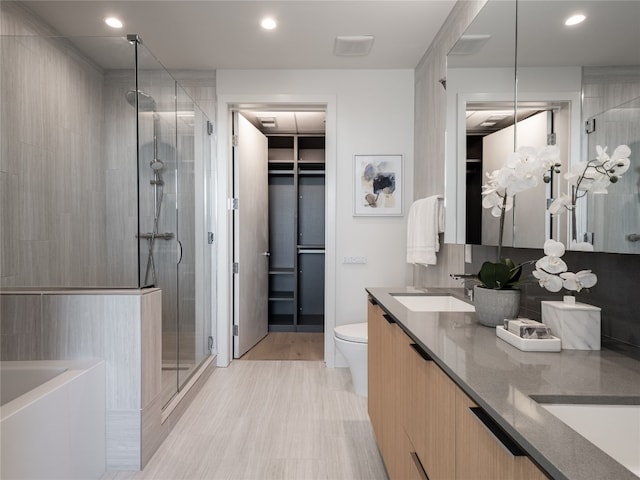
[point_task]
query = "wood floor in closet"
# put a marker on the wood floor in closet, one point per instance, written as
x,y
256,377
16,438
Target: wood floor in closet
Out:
x,y
270,420
288,346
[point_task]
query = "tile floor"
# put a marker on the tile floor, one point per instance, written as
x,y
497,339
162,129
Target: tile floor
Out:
x,y
263,420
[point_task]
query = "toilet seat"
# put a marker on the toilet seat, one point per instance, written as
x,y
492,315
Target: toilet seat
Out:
x,y
353,332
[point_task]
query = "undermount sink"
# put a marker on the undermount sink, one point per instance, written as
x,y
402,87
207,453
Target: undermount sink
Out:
x,y
614,429
433,303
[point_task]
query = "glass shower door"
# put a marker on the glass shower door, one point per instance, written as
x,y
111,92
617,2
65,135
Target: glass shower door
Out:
x,y
194,266
174,157
157,194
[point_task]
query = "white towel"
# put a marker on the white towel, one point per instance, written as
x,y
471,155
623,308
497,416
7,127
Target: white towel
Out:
x,y
425,221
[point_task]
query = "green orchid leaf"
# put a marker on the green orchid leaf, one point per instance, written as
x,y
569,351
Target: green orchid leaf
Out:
x,y
500,275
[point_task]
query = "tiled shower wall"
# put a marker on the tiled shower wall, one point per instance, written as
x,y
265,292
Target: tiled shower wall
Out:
x,y
53,184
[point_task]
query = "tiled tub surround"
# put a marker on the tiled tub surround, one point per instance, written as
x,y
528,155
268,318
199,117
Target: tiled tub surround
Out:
x,y
52,424
502,379
123,327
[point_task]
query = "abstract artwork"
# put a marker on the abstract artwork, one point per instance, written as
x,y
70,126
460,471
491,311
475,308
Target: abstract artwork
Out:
x,y
377,185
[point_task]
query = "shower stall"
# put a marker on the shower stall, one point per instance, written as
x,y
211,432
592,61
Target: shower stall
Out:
x,y
106,177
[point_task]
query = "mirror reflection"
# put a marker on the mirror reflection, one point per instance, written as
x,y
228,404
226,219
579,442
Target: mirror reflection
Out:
x,y
566,76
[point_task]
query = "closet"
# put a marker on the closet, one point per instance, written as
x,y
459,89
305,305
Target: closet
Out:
x,y
296,232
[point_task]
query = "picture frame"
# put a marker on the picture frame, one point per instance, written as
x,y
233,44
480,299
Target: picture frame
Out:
x,y
377,185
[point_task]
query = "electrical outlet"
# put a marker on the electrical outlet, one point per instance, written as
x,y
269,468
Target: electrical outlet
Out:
x,y
354,260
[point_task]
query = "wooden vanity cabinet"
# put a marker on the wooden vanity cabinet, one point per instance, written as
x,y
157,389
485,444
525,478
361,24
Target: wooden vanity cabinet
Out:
x,y
386,392
483,451
375,386
429,414
426,427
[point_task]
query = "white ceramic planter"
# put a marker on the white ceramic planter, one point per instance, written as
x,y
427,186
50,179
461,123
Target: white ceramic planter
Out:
x,y
494,306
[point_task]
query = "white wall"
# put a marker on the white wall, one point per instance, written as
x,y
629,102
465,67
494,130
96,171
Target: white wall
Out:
x,y
369,111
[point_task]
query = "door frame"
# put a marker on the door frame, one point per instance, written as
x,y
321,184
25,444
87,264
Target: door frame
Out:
x,y
224,274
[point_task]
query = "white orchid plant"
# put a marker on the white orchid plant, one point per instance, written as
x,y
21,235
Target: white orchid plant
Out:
x,y
593,176
551,271
522,171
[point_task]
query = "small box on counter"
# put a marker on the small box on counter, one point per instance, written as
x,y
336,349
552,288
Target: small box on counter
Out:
x,y
527,328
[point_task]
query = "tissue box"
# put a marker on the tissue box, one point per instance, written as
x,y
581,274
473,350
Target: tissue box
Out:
x,y
577,325
527,328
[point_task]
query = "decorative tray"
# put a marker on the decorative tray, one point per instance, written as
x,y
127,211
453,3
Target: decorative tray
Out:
x,y
528,344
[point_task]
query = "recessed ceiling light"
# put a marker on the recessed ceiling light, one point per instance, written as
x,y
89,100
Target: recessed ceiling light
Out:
x,y
113,22
488,124
574,20
268,23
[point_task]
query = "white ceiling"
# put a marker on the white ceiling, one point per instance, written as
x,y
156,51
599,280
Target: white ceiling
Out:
x,y
609,36
307,122
211,34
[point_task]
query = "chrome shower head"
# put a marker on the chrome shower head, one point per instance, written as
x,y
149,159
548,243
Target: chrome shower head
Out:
x,y
156,164
146,103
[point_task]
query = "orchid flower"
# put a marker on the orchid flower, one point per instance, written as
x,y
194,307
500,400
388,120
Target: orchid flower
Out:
x,y
596,175
551,271
578,281
495,202
551,262
559,204
581,246
553,283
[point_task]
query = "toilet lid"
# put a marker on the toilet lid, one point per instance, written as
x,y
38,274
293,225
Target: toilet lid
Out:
x,y
353,332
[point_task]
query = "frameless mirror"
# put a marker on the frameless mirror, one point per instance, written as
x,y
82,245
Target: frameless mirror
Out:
x,y
480,86
567,76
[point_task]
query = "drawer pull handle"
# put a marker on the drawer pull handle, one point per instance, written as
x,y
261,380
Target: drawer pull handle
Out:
x,y
388,318
419,467
511,446
425,356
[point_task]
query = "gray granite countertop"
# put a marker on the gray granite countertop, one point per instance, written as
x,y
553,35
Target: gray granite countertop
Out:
x,y
501,379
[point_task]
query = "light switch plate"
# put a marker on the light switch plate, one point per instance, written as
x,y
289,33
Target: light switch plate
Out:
x,y
467,254
356,260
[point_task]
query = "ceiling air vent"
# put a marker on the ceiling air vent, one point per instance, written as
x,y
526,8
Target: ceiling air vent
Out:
x,y
351,46
469,44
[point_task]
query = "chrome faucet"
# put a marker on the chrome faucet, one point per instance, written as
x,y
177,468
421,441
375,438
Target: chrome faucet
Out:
x,y
461,276
468,290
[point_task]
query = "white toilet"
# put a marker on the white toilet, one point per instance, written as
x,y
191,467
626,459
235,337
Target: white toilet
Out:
x,y
351,341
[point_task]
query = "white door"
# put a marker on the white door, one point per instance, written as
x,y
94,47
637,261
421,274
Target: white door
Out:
x,y
251,235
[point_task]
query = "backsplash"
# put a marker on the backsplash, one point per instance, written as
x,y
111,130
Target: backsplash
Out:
x,y
617,292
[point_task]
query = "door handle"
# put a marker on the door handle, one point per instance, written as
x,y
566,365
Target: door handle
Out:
x,y
266,254
179,251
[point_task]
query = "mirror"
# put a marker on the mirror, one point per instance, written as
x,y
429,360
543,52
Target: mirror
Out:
x,y
564,75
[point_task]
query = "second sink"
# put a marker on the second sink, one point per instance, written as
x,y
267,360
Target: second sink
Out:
x,y
433,303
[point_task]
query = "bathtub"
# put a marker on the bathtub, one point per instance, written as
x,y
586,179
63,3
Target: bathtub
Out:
x,y
52,419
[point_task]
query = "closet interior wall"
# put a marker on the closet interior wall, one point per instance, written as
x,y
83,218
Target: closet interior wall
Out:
x,y
296,232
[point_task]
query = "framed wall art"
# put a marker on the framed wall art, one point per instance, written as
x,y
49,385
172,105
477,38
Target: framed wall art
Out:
x,y
377,185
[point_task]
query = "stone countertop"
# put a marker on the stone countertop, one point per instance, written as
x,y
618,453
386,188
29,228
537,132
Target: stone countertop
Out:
x,y
501,379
